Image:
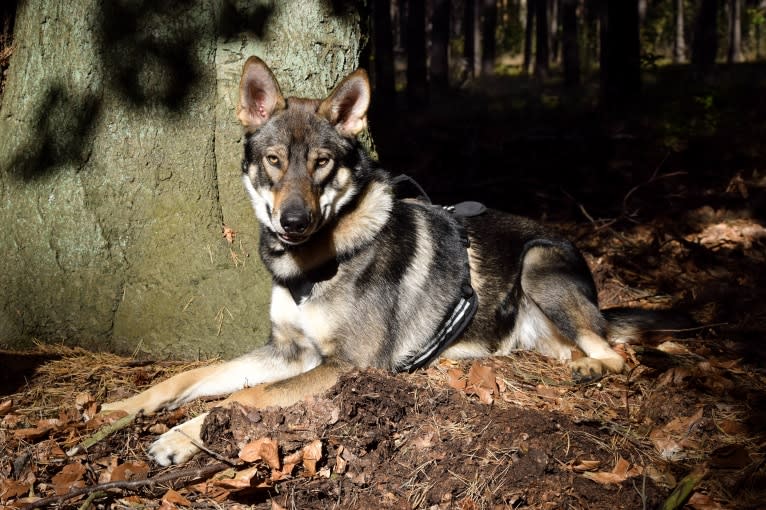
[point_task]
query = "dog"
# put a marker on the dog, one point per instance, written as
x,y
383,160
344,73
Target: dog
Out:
x,y
363,277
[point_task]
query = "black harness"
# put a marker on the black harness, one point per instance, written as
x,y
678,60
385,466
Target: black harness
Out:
x,y
460,313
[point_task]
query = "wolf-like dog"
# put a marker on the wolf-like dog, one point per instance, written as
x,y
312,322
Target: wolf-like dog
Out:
x,y
364,278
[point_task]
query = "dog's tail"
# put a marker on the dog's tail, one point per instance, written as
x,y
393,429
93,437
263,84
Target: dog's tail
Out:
x,y
636,325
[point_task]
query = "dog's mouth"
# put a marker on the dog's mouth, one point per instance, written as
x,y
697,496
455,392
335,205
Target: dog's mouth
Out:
x,y
292,239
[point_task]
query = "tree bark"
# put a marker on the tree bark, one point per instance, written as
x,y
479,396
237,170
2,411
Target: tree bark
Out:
x,y
679,38
385,88
470,28
621,55
488,26
119,165
569,42
529,31
542,55
417,70
440,31
735,32
705,45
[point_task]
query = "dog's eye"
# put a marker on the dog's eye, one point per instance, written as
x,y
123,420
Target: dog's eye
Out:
x,y
273,160
322,162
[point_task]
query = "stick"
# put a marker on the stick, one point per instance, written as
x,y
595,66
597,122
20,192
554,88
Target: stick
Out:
x,y
130,484
101,434
684,489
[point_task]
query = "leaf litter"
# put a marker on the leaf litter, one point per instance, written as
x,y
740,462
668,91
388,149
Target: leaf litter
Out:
x,y
685,426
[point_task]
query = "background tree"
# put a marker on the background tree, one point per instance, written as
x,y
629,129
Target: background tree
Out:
x,y
470,33
385,80
417,68
489,23
620,54
705,45
679,37
542,55
570,56
440,33
734,54
120,151
529,30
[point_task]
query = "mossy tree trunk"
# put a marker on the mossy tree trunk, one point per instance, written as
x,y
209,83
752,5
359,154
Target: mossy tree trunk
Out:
x,y
120,164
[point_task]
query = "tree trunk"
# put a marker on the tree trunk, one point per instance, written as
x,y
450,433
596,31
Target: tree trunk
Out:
x,y
621,55
735,32
705,45
469,37
385,89
440,45
417,71
119,165
569,43
553,31
542,56
528,33
488,26
679,39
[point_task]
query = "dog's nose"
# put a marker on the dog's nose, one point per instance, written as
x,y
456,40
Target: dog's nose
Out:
x,y
295,220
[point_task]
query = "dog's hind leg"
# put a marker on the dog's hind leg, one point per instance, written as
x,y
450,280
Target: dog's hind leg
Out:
x,y
558,284
178,444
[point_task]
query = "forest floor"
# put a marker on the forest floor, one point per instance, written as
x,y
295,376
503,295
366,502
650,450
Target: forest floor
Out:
x,y
663,220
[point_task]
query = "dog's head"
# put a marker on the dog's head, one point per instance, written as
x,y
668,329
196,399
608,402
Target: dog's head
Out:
x,y
298,164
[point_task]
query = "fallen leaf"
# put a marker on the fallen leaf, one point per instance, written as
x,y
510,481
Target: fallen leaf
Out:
x,y
229,234
455,379
241,480
621,472
265,449
312,453
699,501
42,429
175,498
10,489
137,470
5,407
68,478
586,465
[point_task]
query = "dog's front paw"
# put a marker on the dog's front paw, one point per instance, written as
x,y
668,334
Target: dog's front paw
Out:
x,y
177,445
591,369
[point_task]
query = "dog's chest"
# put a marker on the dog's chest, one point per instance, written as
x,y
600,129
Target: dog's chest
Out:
x,y
311,321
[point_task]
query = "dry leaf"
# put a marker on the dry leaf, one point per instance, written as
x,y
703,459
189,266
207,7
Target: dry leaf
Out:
x,y
621,472
137,470
175,498
586,465
229,234
312,453
700,501
455,379
6,407
241,480
42,429
68,478
10,489
265,449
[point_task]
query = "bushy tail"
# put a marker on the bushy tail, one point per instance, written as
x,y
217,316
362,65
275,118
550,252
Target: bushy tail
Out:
x,y
636,325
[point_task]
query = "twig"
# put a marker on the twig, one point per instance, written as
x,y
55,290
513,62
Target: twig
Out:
x,y
210,452
101,434
684,489
130,484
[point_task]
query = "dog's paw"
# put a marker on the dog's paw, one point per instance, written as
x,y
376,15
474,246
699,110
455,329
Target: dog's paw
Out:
x,y
177,445
591,369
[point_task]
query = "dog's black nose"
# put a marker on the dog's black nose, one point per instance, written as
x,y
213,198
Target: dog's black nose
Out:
x,y
295,220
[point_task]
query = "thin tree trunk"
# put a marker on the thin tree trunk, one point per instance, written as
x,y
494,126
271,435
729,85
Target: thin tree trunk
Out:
x,y
735,32
553,31
440,45
621,55
679,40
385,90
489,23
705,45
542,55
417,78
469,37
528,32
569,43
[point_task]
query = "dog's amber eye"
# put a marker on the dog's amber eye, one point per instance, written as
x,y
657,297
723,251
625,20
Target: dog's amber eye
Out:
x,y
273,160
322,162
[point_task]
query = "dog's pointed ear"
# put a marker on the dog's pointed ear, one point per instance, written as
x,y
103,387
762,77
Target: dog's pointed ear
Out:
x,y
346,106
259,95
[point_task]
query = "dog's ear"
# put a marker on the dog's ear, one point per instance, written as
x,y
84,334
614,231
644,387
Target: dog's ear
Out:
x,y
346,106
259,94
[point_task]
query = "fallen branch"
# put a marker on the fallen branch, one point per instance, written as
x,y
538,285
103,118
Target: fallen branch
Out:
x,y
684,489
101,434
130,484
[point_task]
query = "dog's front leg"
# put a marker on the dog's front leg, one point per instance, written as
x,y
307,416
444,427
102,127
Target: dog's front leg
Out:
x,y
266,364
179,444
